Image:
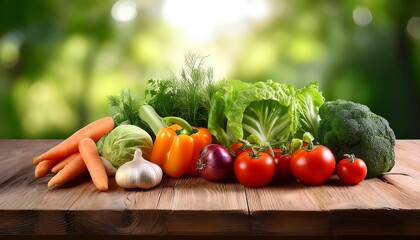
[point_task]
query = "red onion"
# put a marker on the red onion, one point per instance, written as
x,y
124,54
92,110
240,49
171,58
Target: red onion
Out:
x,y
215,162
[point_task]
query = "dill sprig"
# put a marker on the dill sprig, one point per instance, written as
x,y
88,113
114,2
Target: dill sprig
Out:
x,y
186,95
124,108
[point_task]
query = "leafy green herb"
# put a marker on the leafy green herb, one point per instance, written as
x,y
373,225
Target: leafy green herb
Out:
x,y
124,108
186,95
128,109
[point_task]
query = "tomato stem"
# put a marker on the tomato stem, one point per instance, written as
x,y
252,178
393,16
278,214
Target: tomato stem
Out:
x,y
251,147
351,157
310,146
307,137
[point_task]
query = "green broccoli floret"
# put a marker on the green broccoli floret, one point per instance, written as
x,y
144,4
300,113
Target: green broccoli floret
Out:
x,y
348,127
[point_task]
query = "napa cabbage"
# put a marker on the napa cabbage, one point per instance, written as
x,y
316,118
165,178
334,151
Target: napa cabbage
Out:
x,y
265,112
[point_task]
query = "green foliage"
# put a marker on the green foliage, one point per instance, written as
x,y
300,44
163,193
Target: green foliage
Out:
x,y
187,95
351,128
124,108
265,113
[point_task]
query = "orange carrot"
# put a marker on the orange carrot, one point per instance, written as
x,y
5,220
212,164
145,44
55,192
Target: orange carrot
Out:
x,y
73,169
60,165
44,167
94,164
94,130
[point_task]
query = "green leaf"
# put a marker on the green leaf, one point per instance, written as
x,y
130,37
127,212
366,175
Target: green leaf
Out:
x,y
264,113
309,100
186,95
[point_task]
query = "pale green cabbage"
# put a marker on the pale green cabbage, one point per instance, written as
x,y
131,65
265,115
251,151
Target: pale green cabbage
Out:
x,y
266,113
120,144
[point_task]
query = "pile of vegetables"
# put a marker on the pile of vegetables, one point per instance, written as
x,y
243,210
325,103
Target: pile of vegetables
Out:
x,y
257,133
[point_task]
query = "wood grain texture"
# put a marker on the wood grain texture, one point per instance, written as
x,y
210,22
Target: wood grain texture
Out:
x,y
389,205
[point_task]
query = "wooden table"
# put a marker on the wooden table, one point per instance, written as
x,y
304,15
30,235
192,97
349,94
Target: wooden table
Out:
x,y
192,206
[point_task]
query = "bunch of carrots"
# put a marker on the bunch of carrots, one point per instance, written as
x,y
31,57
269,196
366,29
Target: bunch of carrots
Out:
x,y
71,157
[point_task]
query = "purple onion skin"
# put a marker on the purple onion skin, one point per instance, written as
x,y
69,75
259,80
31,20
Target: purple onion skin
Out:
x,y
215,163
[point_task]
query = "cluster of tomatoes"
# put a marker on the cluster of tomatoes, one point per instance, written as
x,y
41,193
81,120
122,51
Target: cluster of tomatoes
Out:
x,y
310,165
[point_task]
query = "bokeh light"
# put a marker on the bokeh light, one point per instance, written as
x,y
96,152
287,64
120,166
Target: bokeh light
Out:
x,y
124,10
203,20
362,16
60,60
413,27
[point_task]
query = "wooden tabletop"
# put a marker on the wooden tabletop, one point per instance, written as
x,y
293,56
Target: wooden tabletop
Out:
x,y
193,206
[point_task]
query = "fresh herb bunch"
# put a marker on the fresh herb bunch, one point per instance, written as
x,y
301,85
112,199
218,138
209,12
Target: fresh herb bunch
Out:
x,y
124,108
186,95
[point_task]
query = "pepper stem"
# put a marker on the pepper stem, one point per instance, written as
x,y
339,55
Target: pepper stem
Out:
x,y
185,126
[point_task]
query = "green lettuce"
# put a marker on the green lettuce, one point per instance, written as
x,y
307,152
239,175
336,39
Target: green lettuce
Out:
x,y
265,113
309,100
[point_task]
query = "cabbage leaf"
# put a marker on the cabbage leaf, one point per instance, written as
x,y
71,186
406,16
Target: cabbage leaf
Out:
x,y
119,146
265,113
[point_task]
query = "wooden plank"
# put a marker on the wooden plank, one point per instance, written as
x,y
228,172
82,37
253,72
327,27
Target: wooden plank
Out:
x,y
383,222
116,198
16,157
289,223
273,208
125,222
406,173
369,194
370,201
292,196
19,188
118,211
196,206
199,194
285,209
24,199
77,207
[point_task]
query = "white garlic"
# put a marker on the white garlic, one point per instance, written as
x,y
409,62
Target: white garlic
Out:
x,y
138,173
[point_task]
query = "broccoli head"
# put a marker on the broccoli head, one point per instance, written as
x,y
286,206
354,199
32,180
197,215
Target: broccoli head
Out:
x,y
348,127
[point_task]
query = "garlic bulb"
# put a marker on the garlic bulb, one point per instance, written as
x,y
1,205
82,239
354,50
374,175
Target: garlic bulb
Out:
x,y
138,173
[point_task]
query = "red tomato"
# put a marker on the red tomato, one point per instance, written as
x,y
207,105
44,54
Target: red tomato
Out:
x,y
236,149
351,170
254,171
313,166
283,171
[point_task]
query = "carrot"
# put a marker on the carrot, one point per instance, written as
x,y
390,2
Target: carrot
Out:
x,y
44,167
60,165
94,130
73,169
94,164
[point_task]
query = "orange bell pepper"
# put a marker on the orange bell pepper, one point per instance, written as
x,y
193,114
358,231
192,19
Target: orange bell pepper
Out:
x,y
176,148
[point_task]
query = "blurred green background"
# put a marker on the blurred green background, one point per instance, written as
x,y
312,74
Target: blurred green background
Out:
x,y
59,60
